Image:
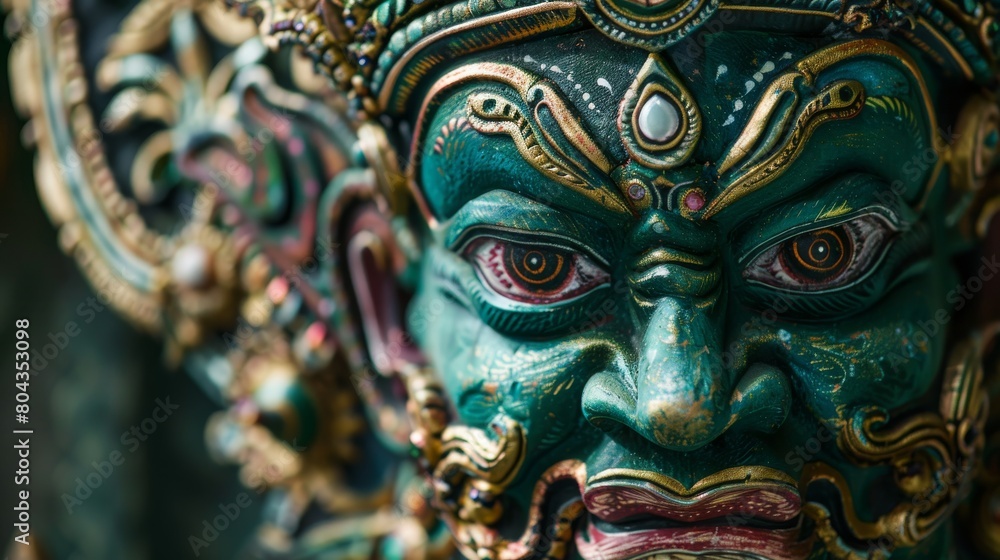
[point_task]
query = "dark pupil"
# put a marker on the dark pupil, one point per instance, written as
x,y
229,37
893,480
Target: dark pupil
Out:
x,y
819,254
537,269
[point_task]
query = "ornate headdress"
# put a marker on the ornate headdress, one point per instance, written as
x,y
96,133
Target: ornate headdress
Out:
x,y
380,51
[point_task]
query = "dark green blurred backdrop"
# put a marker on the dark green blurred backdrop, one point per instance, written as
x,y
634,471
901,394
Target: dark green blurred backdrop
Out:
x,y
104,381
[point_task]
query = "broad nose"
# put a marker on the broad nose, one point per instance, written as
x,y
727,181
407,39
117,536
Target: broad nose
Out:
x,y
678,400
678,393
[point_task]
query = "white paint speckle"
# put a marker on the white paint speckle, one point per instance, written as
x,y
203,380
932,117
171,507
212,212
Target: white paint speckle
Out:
x,y
786,56
577,86
591,106
605,84
586,96
528,58
758,77
556,69
722,70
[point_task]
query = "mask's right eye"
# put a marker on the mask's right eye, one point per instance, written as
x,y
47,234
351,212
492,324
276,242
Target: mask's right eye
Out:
x,y
534,273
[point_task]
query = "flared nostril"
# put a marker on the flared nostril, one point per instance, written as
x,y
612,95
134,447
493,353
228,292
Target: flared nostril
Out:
x,y
607,403
761,400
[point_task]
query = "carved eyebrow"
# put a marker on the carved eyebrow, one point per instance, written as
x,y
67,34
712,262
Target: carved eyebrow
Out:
x,y
782,123
502,210
525,112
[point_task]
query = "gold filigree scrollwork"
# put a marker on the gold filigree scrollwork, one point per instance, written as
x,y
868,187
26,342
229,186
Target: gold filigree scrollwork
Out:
x,y
563,150
977,135
842,99
548,533
471,468
973,163
649,24
931,455
480,465
492,113
777,132
875,13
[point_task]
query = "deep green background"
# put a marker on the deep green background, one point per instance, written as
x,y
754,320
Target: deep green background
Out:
x,y
103,382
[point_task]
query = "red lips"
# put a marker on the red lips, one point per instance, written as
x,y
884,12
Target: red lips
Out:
x,y
631,517
773,502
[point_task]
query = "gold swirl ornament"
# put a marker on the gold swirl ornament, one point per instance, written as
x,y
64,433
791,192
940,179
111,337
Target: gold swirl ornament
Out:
x,y
469,468
932,456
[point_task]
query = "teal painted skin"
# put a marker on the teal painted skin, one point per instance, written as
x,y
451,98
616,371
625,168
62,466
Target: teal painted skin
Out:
x,y
745,358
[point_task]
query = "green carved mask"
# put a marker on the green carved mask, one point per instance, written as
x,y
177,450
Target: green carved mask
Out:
x,y
708,285
611,279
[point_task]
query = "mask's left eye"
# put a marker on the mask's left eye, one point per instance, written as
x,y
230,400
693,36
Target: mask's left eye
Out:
x,y
826,258
533,272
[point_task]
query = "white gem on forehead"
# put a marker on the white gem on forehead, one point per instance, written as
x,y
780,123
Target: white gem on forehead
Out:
x,y
659,120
